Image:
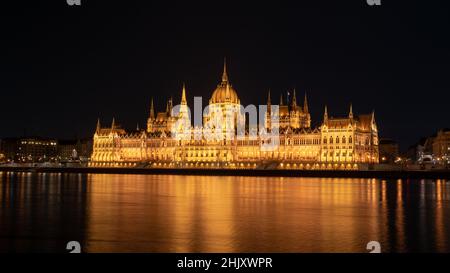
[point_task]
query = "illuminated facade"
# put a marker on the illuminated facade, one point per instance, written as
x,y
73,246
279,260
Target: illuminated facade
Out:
x,y
170,140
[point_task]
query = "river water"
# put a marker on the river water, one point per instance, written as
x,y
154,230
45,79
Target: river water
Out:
x,y
170,213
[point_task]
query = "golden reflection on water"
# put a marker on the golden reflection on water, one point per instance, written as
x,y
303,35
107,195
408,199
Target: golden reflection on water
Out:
x,y
243,214
168,213
440,199
399,220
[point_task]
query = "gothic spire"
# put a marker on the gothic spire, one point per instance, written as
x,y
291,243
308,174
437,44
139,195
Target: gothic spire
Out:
x,y
98,126
113,124
325,114
169,106
305,105
152,110
350,113
294,100
281,99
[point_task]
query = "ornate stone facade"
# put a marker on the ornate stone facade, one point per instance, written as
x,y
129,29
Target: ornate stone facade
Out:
x,y
170,140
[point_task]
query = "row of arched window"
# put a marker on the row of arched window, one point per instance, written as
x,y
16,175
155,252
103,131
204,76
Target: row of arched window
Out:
x,y
336,140
103,145
337,154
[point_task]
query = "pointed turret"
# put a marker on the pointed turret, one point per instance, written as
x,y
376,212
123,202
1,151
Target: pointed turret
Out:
x,y
269,103
305,104
98,126
224,74
152,110
268,120
137,127
113,124
281,99
183,95
169,107
325,114
294,100
350,113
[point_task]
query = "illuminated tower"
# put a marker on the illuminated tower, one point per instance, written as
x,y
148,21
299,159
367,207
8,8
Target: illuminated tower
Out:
x,y
295,112
306,118
182,121
151,117
224,110
268,121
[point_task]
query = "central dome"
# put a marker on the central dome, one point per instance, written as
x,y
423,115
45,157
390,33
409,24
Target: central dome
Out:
x,y
224,92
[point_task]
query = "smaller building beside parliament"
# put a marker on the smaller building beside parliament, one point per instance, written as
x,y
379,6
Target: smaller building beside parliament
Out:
x,y
171,141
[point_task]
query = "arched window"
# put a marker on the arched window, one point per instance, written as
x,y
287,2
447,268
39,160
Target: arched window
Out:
x,y
331,140
337,140
343,139
350,139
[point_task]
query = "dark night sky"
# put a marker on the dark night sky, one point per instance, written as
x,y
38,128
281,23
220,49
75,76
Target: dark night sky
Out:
x,y
62,67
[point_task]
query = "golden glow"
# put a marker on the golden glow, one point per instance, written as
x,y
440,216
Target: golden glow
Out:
x,y
342,143
198,214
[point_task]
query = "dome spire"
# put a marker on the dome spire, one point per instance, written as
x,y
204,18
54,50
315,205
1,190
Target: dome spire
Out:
x,y
224,92
224,75
183,95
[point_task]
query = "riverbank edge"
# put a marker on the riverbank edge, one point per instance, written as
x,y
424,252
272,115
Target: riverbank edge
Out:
x,y
391,174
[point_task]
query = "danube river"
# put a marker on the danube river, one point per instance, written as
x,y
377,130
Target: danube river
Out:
x,y
167,213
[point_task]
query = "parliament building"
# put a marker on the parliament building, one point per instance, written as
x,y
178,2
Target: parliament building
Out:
x,y
171,141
